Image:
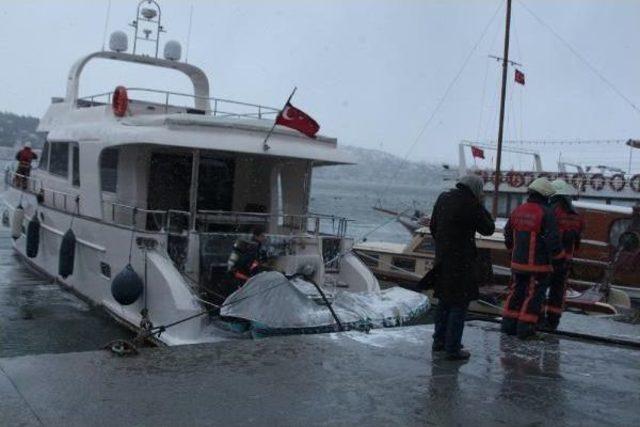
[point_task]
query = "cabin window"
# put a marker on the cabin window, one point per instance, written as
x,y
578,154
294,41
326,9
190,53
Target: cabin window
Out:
x,y
404,263
44,157
109,170
59,159
427,245
370,259
75,174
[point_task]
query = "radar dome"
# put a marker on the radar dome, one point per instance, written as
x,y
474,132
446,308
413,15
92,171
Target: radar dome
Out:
x,y
118,42
172,50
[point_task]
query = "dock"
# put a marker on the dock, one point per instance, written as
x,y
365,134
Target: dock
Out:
x,y
385,377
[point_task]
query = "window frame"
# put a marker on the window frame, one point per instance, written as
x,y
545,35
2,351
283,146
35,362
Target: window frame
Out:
x,y
44,157
75,161
100,170
59,175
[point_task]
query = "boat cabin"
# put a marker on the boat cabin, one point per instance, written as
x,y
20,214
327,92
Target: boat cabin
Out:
x,y
201,174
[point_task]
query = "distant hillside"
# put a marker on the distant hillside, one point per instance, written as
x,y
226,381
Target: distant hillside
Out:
x,y
375,166
16,130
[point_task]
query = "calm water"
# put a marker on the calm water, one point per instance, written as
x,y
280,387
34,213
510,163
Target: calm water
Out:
x,y
355,201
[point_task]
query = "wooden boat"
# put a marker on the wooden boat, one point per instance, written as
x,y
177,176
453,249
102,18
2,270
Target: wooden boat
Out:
x,y
407,264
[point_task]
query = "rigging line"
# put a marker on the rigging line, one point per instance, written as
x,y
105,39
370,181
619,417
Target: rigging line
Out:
x,y
106,25
484,90
443,98
521,92
581,58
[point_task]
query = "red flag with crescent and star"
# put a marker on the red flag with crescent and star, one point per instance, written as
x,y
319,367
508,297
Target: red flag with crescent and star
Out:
x,y
519,77
297,119
477,152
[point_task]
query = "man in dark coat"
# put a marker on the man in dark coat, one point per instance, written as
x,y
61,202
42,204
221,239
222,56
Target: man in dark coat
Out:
x,y
457,215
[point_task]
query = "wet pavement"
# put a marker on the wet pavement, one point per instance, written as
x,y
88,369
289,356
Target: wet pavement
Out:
x,y
386,377
37,316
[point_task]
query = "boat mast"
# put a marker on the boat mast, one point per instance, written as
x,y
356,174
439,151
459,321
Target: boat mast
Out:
x,y
505,65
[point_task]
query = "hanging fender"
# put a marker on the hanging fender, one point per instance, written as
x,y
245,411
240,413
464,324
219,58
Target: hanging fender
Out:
x,y
16,222
67,254
127,286
33,236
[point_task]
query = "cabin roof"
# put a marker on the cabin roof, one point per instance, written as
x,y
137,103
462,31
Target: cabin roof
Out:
x,y
238,135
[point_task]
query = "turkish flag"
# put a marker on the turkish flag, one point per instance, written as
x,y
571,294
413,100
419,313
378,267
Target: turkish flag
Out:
x,y
477,152
519,77
297,119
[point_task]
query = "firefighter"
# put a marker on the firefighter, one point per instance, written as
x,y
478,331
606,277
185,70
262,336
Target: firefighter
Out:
x,y
247,256
531,233
570,227
24,158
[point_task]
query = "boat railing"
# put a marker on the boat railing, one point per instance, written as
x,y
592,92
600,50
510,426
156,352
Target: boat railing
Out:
x,y
175,221
163,101
56,199
582,181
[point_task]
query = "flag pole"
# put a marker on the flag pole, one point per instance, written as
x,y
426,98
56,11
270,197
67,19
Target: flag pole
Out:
x,y
265,146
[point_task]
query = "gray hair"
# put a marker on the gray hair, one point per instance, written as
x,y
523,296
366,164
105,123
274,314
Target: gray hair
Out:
x,y
473,183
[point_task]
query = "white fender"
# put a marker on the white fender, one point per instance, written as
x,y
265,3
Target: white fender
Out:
x,y
16,222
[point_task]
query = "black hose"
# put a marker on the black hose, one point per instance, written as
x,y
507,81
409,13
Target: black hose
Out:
x,y
326,301
575,335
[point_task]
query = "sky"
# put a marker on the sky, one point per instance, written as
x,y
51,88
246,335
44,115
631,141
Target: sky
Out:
x,y
410,77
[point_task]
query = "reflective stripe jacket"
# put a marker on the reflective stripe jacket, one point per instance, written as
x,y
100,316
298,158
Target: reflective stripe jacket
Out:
x,y
570,227
244,259
532,236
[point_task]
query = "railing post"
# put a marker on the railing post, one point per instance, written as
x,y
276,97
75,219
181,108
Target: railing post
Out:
x,y
259,112
166,102
215,107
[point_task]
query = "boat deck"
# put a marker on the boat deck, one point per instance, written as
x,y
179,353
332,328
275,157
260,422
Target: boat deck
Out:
x,y
386,377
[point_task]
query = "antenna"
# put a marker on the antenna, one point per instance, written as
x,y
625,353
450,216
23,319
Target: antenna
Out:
x,y
186,55
106,25
147,22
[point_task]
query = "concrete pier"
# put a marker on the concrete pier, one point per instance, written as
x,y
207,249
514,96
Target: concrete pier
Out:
x,y
386,377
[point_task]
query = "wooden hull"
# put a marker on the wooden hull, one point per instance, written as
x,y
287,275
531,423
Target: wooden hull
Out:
x,y
584,299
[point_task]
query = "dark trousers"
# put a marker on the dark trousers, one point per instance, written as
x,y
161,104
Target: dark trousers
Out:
x,y
524,303
554,304
449,325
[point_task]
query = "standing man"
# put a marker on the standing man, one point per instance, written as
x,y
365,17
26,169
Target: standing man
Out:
x,y
457,215
570,227
531,233
24,158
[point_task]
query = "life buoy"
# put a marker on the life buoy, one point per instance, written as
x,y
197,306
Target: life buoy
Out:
x,y
577,180
634,183
617,182
16,223
67,254
33,236
528,178
597,181
515,179
120,101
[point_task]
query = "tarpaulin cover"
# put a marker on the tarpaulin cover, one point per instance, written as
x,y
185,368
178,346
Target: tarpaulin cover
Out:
x,y
273,303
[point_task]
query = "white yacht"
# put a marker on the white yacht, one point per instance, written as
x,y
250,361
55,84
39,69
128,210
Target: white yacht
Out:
x,y
168,188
